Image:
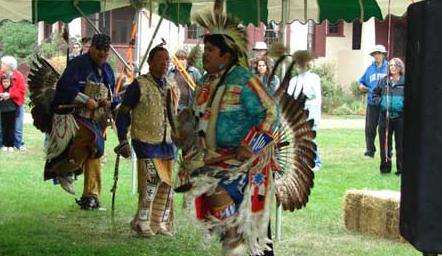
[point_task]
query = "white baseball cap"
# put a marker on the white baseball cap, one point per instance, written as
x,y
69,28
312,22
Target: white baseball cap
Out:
x,y
378,48
260,46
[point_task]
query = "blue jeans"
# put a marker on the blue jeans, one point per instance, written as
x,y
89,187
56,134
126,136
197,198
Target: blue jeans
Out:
x,y
19,127
1,135
318,162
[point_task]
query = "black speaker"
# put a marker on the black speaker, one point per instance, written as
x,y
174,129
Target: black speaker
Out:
x,y
421,188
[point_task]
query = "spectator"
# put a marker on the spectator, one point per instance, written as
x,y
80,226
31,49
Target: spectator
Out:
x,y
8,110
9,68
391,93
259,51
368,82
185,92
309,84
263,70
75,48
85,43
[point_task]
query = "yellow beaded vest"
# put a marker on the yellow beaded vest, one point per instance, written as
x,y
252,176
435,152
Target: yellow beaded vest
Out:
x,y
150,122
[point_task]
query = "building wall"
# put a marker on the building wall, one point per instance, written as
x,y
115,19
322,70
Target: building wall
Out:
x,y
298,38
349,64
75,28
172,34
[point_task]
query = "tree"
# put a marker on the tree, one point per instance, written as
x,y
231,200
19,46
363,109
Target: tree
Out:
x,y
18,39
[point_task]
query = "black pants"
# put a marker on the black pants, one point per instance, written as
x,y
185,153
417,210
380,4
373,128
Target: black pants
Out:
x,y
395,126
8,128
371,123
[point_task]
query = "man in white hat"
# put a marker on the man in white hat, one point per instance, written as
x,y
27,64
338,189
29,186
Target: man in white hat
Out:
x,y
368,82
260,49
74,48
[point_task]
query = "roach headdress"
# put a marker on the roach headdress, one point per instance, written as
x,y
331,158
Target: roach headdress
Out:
x,y
231,31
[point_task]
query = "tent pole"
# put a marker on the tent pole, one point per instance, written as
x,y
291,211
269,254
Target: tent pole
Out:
x,y
134,165
150,44
138,41
284,18
153,36
98,31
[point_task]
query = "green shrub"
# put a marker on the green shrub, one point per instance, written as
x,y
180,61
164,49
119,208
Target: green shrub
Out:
x,y
196,57
18,39
332,93
358,107
336,100
344,109
354,87
53,47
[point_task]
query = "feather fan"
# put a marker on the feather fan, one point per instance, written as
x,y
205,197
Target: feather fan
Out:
x,y
296,158
42,81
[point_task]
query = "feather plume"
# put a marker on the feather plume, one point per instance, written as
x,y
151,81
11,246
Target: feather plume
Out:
x,y
277,50
234,34
42,81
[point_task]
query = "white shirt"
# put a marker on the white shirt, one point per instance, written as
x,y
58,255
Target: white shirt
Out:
x,y
310,85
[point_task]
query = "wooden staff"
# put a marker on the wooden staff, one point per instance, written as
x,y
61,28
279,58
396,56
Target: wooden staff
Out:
x,y
179,66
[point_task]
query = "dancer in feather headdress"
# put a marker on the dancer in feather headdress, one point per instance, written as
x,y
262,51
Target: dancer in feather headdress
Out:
x,y
74,114
242,152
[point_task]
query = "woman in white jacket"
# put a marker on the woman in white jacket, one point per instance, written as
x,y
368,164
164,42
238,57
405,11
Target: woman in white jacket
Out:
x,y
309,84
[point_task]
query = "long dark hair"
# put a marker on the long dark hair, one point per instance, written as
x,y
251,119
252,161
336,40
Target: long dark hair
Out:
x,y
268,63
219,41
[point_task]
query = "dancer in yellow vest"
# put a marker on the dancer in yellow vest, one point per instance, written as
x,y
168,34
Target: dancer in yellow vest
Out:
x,y
148,108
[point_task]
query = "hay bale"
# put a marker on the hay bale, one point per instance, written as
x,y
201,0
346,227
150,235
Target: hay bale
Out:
x,y
373,212
352,209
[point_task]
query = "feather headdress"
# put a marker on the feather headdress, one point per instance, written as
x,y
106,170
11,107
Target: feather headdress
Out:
x,y
233,33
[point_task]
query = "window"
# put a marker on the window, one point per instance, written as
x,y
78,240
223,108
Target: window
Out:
x,y
117,24
319,39
101,21
357,32
271,33
270,36
47,31
335,29
194,33
121,20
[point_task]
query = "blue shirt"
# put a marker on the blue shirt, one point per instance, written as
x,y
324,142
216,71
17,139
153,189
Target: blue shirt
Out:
x,y
143,150
273,86
73,81
74,77
186,93
371,79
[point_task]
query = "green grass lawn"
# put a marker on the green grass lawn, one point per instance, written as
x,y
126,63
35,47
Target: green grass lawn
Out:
x,y
38,218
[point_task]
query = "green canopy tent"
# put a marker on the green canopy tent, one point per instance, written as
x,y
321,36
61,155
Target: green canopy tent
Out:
x,y
180,11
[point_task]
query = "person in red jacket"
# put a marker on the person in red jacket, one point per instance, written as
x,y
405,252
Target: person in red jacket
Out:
x,y
17,94
8,109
